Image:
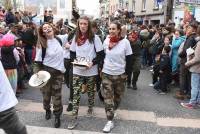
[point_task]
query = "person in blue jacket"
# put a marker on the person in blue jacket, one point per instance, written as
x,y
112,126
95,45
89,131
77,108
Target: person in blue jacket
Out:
x,y
176,42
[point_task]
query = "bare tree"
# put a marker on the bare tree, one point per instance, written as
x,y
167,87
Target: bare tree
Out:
x,y
7,4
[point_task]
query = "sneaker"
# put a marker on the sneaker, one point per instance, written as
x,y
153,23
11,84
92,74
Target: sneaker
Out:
x,y
70,107
72,124
188,105
90,112
151,85
151,70
108,127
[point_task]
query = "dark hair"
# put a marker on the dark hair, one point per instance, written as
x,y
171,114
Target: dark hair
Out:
x,y
167,49
181,32
94,24
194,25
89,33
117,23
198,30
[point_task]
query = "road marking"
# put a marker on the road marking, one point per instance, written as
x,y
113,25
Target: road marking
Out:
x,y
99,112
46,130
126,115
180,122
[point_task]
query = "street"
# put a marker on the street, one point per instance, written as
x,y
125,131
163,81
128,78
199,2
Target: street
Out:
x,y
141,112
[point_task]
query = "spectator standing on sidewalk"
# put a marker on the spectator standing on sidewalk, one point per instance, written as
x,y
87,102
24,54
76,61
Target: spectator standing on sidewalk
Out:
x,y
194,66
9,57
185,75
136,61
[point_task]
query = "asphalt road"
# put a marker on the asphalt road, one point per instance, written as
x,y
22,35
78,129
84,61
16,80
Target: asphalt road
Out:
x,y
142,100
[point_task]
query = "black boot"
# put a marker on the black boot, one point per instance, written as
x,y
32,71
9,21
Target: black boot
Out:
x,y
57,122
134,87
48,114
70,107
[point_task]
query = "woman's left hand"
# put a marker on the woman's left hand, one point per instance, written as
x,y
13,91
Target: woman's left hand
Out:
x,y
90,65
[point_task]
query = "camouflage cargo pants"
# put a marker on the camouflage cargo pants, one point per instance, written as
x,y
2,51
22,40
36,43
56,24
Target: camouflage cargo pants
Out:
x,y
77,85
52,90
113,90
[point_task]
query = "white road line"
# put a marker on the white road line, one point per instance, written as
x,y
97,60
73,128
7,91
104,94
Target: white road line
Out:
x,y
46,130
126,115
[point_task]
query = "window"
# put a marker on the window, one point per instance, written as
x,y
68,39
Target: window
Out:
x,y
62,3
143,5
156,4
133,6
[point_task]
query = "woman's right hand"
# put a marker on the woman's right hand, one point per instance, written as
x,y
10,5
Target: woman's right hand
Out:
x,y
67,46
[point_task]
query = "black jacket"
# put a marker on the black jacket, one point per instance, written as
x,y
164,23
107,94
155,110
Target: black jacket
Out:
x,y
190,42
7,58
136,47
10,18
165,64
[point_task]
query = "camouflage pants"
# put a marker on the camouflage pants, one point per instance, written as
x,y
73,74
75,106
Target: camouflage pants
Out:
x,y
77,85
53,90
113,89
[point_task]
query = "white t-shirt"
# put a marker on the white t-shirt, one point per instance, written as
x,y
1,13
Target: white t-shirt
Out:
x,y
115,59
88,52
54,53
7,96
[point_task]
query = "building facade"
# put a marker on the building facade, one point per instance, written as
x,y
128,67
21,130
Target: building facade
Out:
x,y
149,11
104,8
60,8
145,11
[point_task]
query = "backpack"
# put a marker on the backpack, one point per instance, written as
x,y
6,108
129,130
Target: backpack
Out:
x,y
44,49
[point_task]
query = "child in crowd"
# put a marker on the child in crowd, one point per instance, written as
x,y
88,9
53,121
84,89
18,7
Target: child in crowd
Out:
x,y
164,70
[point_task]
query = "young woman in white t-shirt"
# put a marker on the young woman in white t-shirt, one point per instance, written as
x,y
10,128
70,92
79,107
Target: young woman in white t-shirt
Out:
x,y
85,48
50,57
117,64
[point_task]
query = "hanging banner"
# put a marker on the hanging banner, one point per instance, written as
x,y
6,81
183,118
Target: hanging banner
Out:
x,y
187,14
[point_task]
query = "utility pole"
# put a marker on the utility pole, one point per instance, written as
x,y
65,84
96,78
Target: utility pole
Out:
x,y
168,8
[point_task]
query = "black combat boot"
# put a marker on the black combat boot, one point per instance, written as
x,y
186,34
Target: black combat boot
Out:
x,y
48,114
57,122
70,107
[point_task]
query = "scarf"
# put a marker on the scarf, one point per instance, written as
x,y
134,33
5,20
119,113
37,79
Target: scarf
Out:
x,y
82,39
113,41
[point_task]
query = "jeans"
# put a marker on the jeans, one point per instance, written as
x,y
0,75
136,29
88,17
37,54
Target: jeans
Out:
x,y
144,56
195,92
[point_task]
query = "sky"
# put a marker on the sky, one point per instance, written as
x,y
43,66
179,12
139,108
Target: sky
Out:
x,y
90,6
